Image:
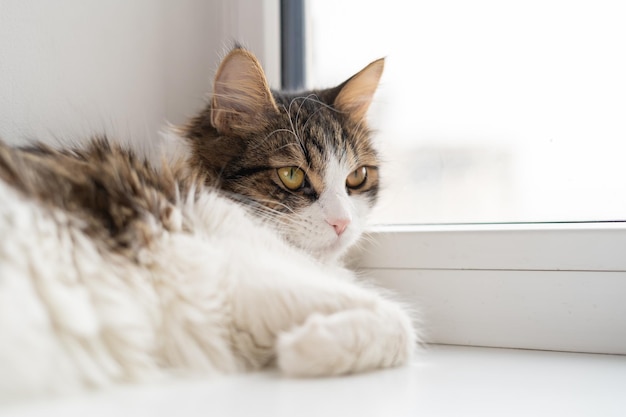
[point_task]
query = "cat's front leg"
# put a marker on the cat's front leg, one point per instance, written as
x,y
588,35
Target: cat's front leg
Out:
x,y
316,324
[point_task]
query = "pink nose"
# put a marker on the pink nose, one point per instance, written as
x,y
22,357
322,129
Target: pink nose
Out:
x,y
340,225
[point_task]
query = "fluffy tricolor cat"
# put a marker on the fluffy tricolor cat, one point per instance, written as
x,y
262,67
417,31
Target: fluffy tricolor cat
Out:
x,y
221,259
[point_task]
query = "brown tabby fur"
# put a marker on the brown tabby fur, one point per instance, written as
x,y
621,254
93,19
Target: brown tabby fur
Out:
x,y
105,186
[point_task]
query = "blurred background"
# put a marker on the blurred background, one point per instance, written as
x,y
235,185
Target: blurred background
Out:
x,y
489,111
73,68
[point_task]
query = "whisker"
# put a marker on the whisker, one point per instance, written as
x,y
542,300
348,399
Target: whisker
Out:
x,y
293,126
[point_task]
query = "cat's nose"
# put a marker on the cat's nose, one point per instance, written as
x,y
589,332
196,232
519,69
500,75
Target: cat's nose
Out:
x,y
340,225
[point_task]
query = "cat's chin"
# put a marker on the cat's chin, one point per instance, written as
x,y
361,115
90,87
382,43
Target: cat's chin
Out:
x,y
328,252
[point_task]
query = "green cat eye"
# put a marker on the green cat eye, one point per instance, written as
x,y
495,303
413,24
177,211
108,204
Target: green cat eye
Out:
x,y
291,177
356,178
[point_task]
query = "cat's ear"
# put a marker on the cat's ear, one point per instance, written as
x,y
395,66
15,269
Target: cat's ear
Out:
x,y
242,99
356,94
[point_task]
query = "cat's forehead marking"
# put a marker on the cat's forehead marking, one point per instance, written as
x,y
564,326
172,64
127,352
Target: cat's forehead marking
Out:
x,y
336,172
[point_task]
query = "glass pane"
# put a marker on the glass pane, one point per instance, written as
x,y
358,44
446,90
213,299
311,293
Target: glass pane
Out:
x,y
488,111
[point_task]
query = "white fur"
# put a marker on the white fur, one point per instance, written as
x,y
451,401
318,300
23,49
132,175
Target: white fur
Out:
x,y
222,293
315,233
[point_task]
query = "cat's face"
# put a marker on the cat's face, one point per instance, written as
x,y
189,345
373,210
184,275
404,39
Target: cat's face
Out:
x,y
303,161
313,175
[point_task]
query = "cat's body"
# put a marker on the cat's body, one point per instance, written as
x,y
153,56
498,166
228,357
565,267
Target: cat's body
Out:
x,y
114,269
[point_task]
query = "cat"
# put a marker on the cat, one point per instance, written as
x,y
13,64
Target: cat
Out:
x,y
224,256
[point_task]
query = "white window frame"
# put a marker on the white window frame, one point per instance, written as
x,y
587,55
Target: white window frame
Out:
x,y
532,286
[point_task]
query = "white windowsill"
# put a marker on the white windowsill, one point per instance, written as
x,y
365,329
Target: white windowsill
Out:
x,y
585,246
443,381
532,286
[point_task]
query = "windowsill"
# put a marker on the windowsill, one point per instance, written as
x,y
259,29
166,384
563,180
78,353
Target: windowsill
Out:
x,y
531,286
582,246
443,381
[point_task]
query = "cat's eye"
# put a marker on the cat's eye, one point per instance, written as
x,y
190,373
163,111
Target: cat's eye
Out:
x,y
356,178
291,177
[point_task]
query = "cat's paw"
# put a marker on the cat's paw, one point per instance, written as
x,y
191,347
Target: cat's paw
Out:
x,y
345,342
313,349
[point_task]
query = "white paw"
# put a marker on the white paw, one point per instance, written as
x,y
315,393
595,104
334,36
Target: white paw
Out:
x,y
345,342
314,349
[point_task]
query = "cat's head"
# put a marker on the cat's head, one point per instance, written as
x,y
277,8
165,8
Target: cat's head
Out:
x,y
305,160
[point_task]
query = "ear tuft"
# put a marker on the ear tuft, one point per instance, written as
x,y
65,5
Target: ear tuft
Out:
x,y
357,93
242,99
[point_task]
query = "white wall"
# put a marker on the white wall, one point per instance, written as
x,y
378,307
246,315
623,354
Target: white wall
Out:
x,y
70,68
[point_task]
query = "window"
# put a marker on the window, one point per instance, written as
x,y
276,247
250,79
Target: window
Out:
x,y
502,124
488,111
